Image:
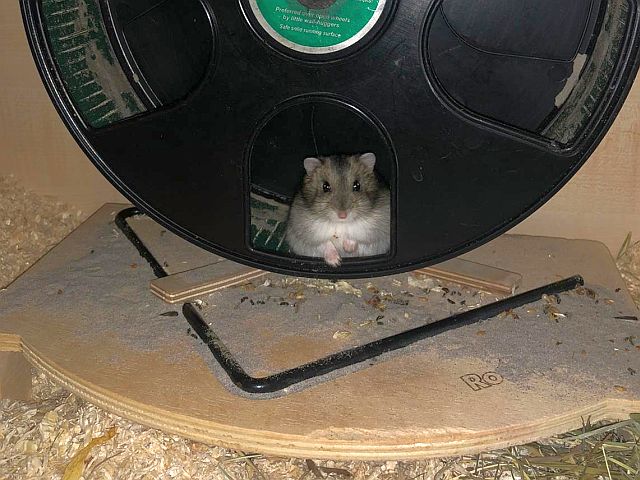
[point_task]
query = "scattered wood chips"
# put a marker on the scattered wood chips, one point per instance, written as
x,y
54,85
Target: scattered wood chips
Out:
x,y
29,226
54,432
628,261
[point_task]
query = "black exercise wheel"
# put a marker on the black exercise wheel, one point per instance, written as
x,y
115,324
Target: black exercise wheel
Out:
x,y
202,112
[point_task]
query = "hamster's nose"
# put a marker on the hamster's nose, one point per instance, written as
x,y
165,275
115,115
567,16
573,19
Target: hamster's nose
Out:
x,y
342,214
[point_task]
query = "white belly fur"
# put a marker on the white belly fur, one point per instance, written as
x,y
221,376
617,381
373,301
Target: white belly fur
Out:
x,y
371,239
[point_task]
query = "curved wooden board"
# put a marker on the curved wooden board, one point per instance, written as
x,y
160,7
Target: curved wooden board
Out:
x,y
89,321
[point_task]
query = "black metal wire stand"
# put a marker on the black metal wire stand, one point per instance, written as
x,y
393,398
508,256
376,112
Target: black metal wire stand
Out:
x,y
287,378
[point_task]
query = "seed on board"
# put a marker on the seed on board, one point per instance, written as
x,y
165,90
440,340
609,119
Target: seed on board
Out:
x,y
341,334
372,288
399,301
297,295
420,281
553,313
509,313
377,303
346,287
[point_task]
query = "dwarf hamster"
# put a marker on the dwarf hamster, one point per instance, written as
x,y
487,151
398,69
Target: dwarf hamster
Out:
x,y
341,210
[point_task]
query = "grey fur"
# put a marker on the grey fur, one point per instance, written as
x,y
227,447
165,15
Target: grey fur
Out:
x,y
313,218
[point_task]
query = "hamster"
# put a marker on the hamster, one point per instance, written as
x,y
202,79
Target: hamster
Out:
x,y
341,210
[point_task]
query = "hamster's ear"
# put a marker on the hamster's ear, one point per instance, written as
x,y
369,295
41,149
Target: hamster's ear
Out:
x,y
369,160
310,164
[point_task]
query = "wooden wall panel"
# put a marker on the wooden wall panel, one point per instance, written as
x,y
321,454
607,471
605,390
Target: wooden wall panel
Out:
x,y
34,144
602,202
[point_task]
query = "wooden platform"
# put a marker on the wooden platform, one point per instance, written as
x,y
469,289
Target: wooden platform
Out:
x,y
85,315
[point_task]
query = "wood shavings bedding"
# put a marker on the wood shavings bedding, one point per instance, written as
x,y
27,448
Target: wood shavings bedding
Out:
x,y
29,226
628,262
39,439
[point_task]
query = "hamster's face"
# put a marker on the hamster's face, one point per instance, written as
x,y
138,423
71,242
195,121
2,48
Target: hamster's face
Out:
x,y
340,188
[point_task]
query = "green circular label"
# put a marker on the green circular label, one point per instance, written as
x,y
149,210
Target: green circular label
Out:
x,y
339,25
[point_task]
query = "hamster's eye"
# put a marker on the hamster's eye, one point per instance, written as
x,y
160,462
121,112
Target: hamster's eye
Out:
x,y
326,187
356,186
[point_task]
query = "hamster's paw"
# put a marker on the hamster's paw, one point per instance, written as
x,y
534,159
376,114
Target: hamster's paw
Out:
x,y
331,255
349,246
